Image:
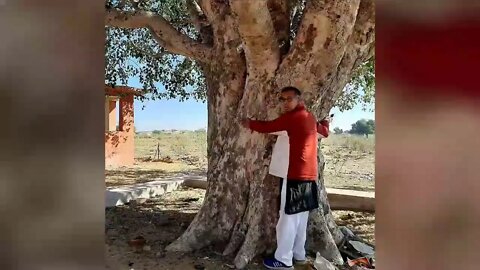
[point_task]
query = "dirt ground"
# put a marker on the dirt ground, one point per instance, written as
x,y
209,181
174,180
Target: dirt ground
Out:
x,y
350,160
349,165
161,220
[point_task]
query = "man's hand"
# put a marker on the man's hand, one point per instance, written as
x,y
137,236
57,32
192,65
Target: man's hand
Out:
x,y
327,119
245,123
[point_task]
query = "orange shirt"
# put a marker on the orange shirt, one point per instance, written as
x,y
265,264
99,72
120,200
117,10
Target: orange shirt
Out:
x,y
302,129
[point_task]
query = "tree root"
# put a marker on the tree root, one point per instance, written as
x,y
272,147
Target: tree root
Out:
x,y
195,237
250,246
321,239
199,234
236,240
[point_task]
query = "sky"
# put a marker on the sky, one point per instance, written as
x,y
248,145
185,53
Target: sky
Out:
x,y
191,115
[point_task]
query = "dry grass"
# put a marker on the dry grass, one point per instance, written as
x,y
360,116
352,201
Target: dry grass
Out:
x,y
183,152
186,147
350,160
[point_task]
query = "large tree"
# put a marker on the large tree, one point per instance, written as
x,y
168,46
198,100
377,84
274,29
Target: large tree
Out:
x,y
236,55
363,127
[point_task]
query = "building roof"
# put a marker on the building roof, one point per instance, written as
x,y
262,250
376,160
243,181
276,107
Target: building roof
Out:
x,y
122,90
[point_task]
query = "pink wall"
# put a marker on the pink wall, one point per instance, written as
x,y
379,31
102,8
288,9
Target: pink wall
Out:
x,y
120,145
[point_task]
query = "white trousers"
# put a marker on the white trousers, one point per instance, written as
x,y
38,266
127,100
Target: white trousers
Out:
x,y
291,232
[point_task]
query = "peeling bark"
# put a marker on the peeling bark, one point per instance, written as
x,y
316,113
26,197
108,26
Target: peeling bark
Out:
x,y
238,166
323,34
280,11
200,22
245,65
324,235
256,28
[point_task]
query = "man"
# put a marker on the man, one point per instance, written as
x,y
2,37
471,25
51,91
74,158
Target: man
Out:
x,y
294,159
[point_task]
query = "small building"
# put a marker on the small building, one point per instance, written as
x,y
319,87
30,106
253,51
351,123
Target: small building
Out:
x,y
119,126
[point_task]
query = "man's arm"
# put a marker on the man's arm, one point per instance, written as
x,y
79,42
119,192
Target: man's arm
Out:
x,y
278,124
323,128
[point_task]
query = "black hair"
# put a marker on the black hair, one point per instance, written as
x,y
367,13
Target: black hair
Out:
x,y
291,88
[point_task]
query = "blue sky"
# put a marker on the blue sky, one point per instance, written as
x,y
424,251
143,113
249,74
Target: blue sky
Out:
x,y
191,114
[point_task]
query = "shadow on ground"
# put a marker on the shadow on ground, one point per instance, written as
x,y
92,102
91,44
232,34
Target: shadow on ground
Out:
x,y
160,221
163,219
361,223
129,176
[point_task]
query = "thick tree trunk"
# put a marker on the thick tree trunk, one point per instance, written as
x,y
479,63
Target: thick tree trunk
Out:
x,y
241,202
323,233
246,56
250,64
239,192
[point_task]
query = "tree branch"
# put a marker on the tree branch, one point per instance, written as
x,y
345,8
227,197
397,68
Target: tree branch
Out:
x,y
258,35
151,54
363,36
163,32
200,22
198,19
323,34
207,9
280,11
360,48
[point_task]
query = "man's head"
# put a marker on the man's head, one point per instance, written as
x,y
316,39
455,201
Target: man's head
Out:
x,y
290,97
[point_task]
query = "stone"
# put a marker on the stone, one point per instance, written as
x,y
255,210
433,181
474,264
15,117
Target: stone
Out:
x,y
321,263
141,200
362,248
346,231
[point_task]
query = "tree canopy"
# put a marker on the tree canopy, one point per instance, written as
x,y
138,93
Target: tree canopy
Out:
x,y
236,54
363,127
136,53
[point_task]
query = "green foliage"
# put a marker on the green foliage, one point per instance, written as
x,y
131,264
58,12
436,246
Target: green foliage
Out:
x,y
363,127
371,124
361,88
338,130
134,53
200,130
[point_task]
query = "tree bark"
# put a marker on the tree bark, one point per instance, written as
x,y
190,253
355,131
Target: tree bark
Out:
x,y
240,194
241,202
164,33
245,63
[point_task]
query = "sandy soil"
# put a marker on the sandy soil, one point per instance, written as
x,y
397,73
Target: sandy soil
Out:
x,y
349,164
161,220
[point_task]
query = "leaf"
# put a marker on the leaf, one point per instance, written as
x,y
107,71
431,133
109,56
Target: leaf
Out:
x,y
360,89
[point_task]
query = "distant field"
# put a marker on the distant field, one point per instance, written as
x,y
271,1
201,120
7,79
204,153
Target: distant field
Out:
x,y
184,147
350,160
